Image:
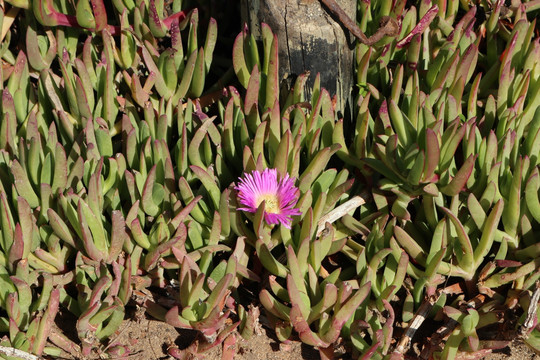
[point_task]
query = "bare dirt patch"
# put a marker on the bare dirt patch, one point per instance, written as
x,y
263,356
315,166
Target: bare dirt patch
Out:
x,y
149,339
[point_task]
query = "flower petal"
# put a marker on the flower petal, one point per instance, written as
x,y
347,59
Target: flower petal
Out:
x,y
258,185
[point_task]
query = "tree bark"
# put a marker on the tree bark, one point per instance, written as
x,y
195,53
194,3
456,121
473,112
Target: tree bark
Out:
x,y
309,40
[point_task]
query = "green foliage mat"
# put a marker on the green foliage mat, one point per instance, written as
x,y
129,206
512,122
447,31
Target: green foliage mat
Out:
x,y
148,159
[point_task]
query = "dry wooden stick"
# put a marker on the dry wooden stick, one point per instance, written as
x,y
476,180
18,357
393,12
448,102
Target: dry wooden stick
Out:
x,y
340,211
388,26
415,323
9,351
531,313
443,332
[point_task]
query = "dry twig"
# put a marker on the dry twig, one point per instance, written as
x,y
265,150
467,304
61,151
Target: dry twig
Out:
x,y
531,313
415,323
340,211
9,351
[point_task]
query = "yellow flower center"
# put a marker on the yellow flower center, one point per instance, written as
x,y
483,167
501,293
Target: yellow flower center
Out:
x,y
271,203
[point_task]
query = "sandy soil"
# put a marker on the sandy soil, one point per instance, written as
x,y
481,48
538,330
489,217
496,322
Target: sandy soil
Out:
x,y
149,339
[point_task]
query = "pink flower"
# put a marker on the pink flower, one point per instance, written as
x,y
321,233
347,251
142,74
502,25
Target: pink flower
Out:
x,y
280,196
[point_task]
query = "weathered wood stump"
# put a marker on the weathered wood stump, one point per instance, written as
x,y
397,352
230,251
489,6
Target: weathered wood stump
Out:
x,y
309,40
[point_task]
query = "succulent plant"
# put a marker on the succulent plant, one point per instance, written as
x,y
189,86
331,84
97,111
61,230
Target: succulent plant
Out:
x,y
451,185
93,199
125,167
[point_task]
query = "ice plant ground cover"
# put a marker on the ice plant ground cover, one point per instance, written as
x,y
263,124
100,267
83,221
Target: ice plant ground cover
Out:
x,y
279,196
151,162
